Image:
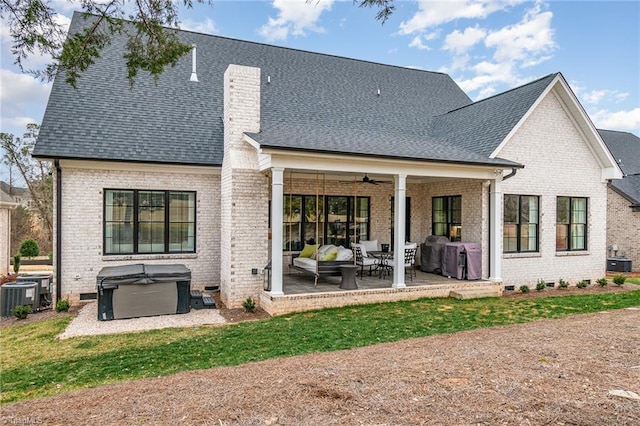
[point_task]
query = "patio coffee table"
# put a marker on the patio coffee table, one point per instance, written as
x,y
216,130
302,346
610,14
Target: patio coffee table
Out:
x,y
348,273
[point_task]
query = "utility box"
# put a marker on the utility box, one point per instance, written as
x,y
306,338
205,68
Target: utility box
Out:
x,y
143,290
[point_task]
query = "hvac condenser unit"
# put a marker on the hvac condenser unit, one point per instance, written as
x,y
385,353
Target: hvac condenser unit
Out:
x,y
16,294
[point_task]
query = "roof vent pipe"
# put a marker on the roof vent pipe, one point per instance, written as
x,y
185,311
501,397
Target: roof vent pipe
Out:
x,y
194,76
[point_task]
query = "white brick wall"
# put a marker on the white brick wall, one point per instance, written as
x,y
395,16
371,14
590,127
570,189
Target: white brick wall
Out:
x,y
623,227
244,191
557,163
82,226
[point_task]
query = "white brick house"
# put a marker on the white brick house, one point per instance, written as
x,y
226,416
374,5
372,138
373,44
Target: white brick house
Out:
x,y
213,166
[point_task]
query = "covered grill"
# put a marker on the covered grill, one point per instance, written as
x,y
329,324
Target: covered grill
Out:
x,y
431,253
142,290
462,260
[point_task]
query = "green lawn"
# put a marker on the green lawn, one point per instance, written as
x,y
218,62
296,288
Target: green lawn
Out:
x,y
35,364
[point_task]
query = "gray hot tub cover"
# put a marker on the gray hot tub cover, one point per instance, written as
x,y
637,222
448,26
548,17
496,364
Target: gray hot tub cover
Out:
x,y
140,273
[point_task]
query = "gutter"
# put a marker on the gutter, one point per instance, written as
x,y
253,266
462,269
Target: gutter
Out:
x,y
58,229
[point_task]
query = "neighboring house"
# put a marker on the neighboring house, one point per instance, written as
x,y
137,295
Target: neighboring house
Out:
x,y
7,203
22,196
226,173
623,208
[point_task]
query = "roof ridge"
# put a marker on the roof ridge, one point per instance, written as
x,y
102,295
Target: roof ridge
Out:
x,y
287,48
501,93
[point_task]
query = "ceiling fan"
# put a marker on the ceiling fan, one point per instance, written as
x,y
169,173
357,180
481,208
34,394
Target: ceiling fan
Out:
x,y
367,179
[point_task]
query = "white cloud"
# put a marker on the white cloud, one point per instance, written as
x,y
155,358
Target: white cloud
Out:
x,y
206,27
22,96
459,42
531,36
596,96
295,17
418,44
617,120
431,14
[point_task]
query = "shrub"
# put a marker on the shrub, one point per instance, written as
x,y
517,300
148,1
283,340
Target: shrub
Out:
x,y
21,311
541,285
63,305
524,288
603,282
249,305
563,283
16,263
29,248
582,284
619,279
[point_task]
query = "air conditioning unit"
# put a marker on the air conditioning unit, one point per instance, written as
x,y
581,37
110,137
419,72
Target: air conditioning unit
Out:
x,y
16,294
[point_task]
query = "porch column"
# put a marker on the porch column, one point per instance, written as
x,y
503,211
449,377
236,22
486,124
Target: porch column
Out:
x,y
400,205
277,196
496,201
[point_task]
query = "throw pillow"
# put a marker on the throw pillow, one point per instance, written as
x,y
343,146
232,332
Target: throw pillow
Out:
x,y
371,245
363,250
344,254
308,250
332,255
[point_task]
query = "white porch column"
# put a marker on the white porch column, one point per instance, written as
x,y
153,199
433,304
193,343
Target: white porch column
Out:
x,y
400,205
277,197
496,201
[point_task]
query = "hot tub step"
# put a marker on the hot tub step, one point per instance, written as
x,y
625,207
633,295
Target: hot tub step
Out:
x,y
208,302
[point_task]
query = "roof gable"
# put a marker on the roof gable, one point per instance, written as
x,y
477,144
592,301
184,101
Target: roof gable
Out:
x,y
581,121
484,125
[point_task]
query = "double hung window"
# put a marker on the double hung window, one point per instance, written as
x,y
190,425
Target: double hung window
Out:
x,y
571,223
520,223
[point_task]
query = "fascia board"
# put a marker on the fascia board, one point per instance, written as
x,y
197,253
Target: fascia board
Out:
x,y
139,167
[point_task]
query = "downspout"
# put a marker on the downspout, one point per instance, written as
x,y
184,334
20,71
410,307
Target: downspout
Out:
x,y
58,229
510,175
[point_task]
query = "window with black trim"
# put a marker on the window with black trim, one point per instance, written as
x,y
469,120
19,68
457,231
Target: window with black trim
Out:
x,y
571,223
447,217
520,223
148,221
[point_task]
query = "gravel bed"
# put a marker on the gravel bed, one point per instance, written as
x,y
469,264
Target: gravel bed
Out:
x,y
87,324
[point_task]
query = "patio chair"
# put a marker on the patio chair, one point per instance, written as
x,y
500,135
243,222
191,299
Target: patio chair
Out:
x,y
410,261
362,261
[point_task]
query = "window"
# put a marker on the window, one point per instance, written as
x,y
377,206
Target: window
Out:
x,y
447,217
571,224
336,224
520,223
142,222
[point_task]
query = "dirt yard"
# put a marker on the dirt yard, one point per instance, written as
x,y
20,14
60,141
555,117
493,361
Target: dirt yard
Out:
x,y
558,372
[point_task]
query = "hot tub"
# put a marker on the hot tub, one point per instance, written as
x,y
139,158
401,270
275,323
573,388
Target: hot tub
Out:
x,y
143,290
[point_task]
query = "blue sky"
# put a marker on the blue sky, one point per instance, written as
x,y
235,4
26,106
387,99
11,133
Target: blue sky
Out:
x,y
486,46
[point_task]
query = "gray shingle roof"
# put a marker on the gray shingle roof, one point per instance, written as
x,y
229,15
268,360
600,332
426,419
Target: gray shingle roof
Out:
x,y
625,148
481,126
313,102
